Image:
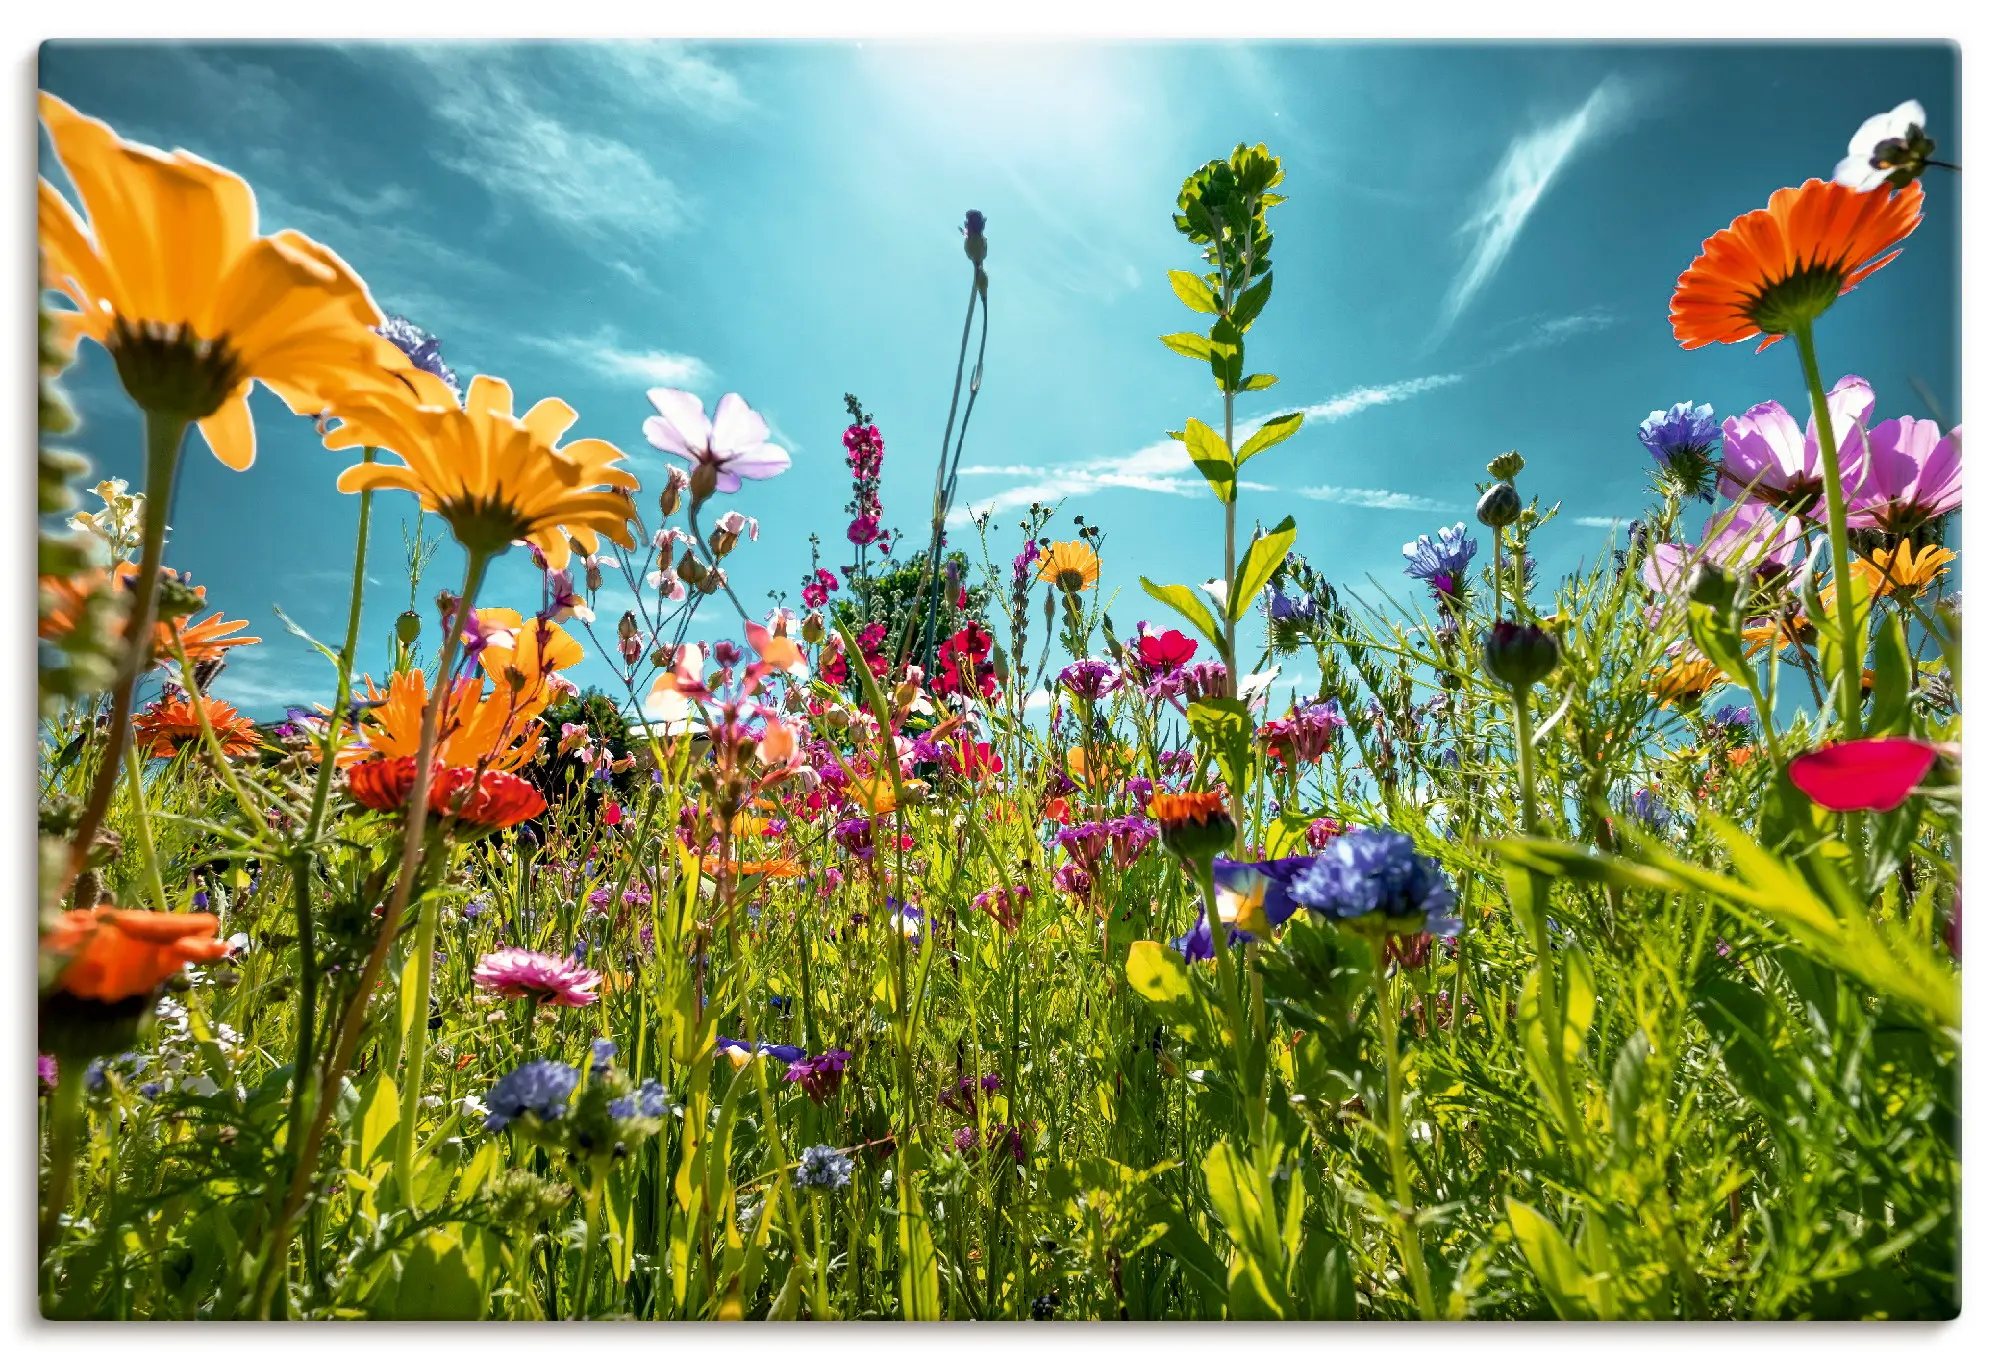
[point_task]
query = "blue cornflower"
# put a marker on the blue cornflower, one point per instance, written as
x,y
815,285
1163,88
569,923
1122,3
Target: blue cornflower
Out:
x,y
420,347
1198,945
1649,807
823,1167
1448,556
602,1050
1740,715
1284,609
648,1101
1682,428
1682,441
1374,871
541,1088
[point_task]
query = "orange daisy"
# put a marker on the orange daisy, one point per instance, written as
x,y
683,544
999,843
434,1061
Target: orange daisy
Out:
x,y
69,596
1686,680
496,728
164,728
1778,268
116,955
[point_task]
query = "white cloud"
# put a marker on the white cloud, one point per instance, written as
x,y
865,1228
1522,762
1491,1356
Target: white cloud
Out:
x,y
506,132
1372,499
1533,161
1358,399
1554,331
605,352
1602,521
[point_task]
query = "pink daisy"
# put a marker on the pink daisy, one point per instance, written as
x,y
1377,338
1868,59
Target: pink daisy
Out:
x,y
541,977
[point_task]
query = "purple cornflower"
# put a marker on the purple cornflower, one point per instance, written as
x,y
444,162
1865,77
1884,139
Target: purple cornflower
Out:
x,y
45,1068
649,1101
1374,872
1649,807
602,1051
420,347
1091,679
820,1076
823,1167
541,1088
1445,559
1682,441
1198,945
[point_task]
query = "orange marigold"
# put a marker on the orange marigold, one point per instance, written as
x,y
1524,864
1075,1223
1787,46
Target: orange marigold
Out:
x,y
115,955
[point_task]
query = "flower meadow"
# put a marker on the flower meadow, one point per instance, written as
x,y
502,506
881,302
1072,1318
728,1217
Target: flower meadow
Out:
x,y
937,945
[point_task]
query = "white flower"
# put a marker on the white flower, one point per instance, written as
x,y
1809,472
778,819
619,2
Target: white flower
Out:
x,y
202,1085
737,445
239,943
734,524
1216,591
431,1102
472,1107
1253,687
1884,145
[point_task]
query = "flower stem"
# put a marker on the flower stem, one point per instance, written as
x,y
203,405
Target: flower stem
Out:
x,y
65,1116
164,436
1836,529
357,1008
1408,1238
148,860
591,1232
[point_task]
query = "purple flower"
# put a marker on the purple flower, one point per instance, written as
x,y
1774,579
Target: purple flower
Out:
x,y
823,1167
1682,441
1243,891
1282,608
1747,539
856,835
1130,837
1091,679
602,1050
820,1076
45,1069
649,1101
1649,807
1198,945
1447,557
737,445
1086,841
1376,872
1912,477
541,1088
420,347
1765,452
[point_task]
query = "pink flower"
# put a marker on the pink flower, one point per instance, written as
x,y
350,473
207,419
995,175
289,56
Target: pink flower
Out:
x,y
737,445
1912,477
1765,452
613,813
1875,774
540,977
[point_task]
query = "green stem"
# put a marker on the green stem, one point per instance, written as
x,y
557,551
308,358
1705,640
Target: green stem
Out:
x,y
65,1116
591,1232
1538,919
1408,1238
164,436
148,860
1836,529
416,1047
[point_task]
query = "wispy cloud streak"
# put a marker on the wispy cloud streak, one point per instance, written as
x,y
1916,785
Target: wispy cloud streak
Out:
x,y
1533,161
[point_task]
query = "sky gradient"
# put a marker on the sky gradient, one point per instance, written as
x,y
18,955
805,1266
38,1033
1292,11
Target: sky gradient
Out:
x,y
1476,254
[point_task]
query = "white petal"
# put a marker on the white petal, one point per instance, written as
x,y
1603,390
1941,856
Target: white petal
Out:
x,y
1873,133
738,429
760,463
682,413
1904,116
1856,172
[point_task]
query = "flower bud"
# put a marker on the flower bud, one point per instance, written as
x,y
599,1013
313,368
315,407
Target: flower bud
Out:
x,y
628,626
690,569
662,657
1520,655
813,629
1500,506
1507,466
1713,586
409,627
702,484
670,495
975,236
593,576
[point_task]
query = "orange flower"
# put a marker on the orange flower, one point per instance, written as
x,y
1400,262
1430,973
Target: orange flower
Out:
x,y
753,868
1742,755
115,955
1778,268
1176,809
164,728
68,596
497,729
170,274
1069,567
1193,825
1685,680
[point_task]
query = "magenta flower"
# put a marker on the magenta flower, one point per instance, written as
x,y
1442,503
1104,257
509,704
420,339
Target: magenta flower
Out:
x,y
737,445
1091,678
1765,452
1912,477
1747,539
543,978
1876,774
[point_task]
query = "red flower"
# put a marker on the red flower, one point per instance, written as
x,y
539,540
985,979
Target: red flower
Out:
x,y
498,801
966,654
613,813
1165,651
1875,774
969,761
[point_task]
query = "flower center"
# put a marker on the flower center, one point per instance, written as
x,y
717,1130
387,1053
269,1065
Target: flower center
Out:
x,y
1796,300
170,371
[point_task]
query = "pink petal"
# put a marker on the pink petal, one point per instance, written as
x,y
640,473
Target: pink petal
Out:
x,y
738,429
760,463
1875,774
680,427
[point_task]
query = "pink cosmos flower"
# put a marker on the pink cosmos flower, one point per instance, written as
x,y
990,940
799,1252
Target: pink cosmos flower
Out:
x,y
1875,774
540,977
737,445
1912,476
1766,453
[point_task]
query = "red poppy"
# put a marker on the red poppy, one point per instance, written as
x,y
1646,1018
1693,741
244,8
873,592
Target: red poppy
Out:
x,y
1876,774
1162,651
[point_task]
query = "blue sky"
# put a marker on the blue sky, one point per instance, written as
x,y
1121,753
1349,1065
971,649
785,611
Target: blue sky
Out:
x,y
1476,255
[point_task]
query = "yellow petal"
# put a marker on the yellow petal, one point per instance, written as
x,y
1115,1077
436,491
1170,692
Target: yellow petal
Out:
x,y
230,434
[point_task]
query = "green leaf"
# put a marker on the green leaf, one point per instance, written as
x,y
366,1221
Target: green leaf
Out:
x,y
1192,345
379,1112
1210,455
443,1279
1251,304
1242,1199
1188,605
1269,435
1627,1089
1157,973
1197,295
1222,726
1889,709
1260,562
1554,1262
1723,645
1257,382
